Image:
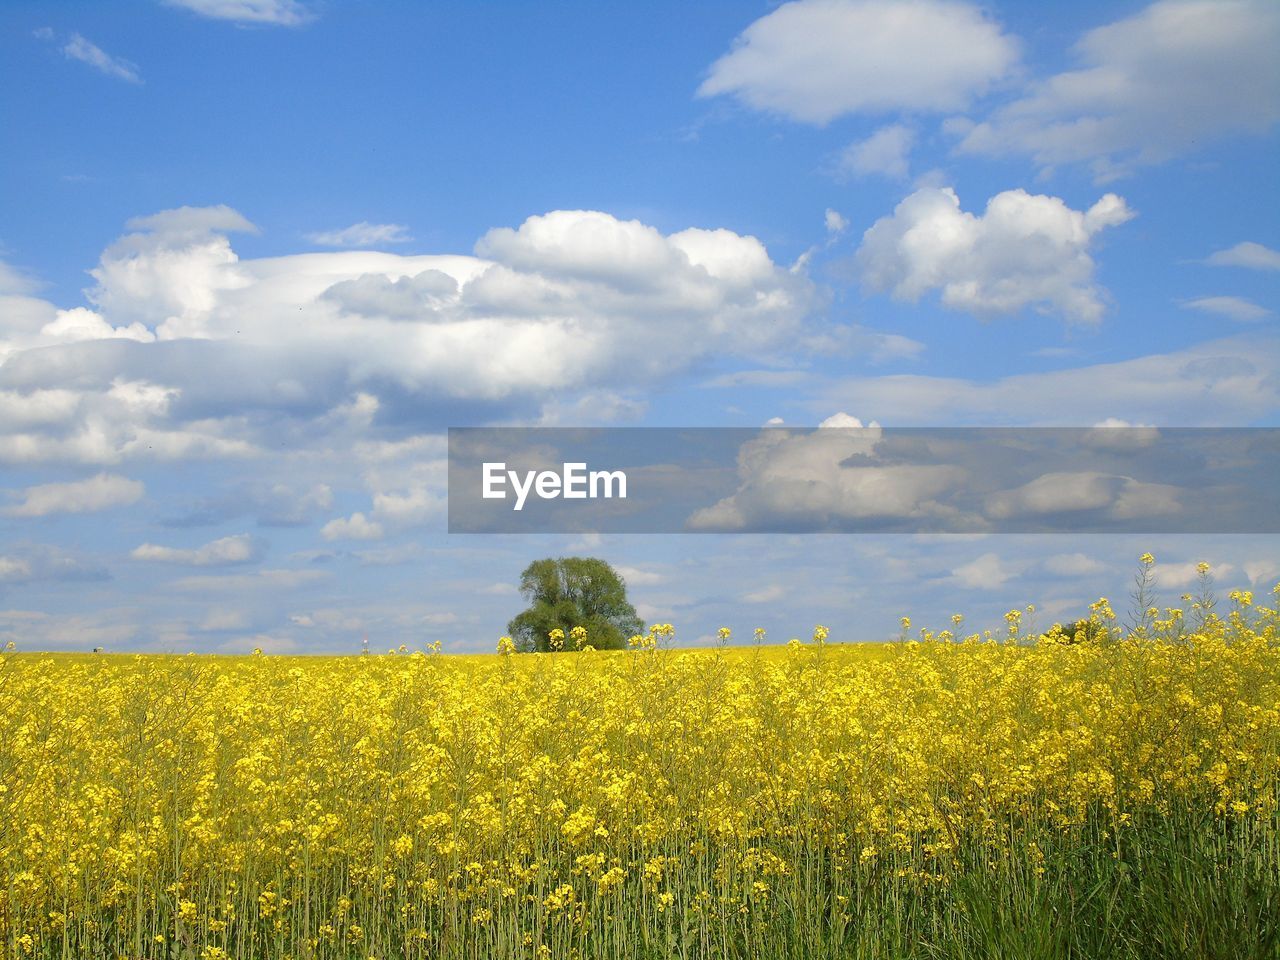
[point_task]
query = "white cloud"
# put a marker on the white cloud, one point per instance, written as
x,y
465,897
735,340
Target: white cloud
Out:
x,y
1121,498
406,298
224,618
1073,565
355,527
1116,434
37,408
407,484
835,222
1253,256
79,323
875,345
81,496
13,569
639,577
1178,575
410,507
184,223
1233,308
362,234
804,480
172,271
814,60
590,408
273,580
387,556
770,594
1116,423
14,280
1026,250
32,562
33,629
225,552
568,304
284,13
885,152
1218,383
1265,572
986,572
1160,83
78,48
767,379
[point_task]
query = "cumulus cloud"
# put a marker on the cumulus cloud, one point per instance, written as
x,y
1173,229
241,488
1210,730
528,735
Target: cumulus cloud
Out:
x,y
1113,433
220,618
407,484
227,551
283,13
1264,571
355,527
986,572
74,631
29,563
1073,565
99,492
79,323
640,577
405,298
823,478
1253,256
1178,575
593,407
1160,83
13,569
408,507
815,60
171,272
1233,308
329,345
770,594
102,419
362,234
1026,250
37,408
885,152
1115,497
1218,383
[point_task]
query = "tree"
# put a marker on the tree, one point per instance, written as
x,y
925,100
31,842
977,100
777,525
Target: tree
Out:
x,y
574,592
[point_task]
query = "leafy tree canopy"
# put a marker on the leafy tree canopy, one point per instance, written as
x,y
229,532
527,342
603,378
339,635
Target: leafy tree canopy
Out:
x,y
573,592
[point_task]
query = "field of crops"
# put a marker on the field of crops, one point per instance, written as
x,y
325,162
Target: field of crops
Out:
x,y
943,797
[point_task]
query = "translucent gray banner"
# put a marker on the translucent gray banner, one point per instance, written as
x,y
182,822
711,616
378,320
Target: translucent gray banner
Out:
x,y
864,479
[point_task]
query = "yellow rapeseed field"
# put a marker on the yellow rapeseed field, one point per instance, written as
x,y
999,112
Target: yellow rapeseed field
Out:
x,y
1088,794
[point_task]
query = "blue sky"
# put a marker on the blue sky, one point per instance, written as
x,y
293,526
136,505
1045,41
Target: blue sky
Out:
x,y
256,255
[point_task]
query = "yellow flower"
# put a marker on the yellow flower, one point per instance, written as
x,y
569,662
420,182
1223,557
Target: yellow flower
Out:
x,y
345,806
